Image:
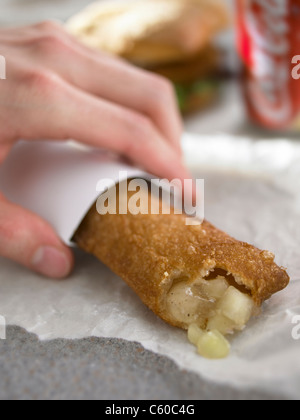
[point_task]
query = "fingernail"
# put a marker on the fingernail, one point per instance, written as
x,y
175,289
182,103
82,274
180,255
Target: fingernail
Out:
x,y
51,262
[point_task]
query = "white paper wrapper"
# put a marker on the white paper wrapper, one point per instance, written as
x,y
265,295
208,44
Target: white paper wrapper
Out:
x,y
60,182
252,192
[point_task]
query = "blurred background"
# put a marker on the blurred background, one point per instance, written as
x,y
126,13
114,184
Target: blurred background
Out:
x,y
207,80
194,45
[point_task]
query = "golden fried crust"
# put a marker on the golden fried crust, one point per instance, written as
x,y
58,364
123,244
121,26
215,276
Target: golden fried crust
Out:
x,y
150,252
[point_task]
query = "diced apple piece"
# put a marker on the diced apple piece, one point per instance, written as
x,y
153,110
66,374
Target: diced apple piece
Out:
x,y
236,306
215,289
213,345
194,334
222,324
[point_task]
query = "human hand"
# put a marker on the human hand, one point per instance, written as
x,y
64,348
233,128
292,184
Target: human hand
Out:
x,y
56,88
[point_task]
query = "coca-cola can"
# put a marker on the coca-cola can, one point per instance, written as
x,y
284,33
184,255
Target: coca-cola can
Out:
x,y
269,44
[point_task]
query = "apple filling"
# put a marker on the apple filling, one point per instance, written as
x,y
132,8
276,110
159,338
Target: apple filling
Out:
x,y
211,308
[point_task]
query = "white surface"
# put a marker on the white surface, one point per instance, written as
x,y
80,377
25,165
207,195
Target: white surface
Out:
x,y
252,191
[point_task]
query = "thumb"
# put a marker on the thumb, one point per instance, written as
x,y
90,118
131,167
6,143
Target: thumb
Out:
x,y
30,241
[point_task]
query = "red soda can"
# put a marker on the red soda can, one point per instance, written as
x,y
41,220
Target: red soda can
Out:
x,y
269,44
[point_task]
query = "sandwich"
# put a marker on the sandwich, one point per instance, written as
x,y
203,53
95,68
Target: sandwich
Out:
x,y
173,38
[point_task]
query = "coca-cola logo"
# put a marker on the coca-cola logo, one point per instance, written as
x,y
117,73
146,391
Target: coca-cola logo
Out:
x,y
269,29
268,25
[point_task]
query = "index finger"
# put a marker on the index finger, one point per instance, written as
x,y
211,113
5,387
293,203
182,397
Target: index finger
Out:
x,y
68,112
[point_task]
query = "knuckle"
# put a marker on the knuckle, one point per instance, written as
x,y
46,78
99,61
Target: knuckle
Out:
x,y
7,231
140,132
162,85
48,25
41,80
51,42
140,126
161,93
